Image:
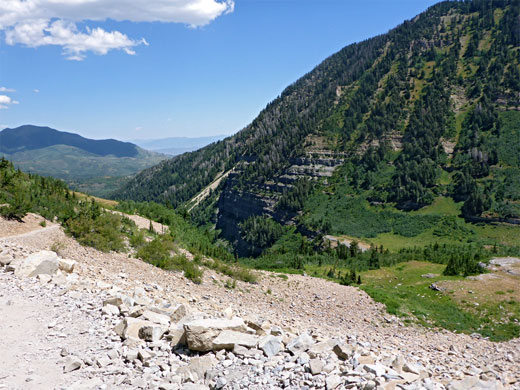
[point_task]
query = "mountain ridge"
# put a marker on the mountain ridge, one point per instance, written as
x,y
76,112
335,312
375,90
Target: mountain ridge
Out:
x,y
31,137
94,166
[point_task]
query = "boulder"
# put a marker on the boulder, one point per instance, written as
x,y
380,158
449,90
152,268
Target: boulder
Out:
x,y
43,262
176,335
129,328
321,348
176,313
152,332
270,345
157,318
464,384
201,333
66,265
229,338
300,344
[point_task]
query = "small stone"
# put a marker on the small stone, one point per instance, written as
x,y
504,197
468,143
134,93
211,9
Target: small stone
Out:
x,y
103,361
316,366
72,363
110,310
270,345
332,382
343,351
66,265
221,382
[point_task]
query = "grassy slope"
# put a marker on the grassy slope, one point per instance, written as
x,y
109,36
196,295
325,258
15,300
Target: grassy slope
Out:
x,y
402,289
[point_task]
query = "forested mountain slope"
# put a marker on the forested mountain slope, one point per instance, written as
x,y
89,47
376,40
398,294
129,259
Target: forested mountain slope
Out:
x,y
425,115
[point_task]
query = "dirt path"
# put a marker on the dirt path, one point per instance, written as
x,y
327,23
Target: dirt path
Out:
x,y
143,223
205,192
40,323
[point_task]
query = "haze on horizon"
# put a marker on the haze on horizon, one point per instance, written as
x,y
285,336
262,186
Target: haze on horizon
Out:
x,y
193,69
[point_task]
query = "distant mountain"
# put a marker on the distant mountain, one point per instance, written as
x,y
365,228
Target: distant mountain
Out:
x,y
93,166
30,137
375,136
174,146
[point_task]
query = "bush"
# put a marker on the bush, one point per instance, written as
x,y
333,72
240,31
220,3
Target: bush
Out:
x,y
462,264
191,271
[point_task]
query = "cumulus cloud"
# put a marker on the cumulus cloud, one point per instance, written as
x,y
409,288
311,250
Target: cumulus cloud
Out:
x,y
37,23
6,101
36,90
4,89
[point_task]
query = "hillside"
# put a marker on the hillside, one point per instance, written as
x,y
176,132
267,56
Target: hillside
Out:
x,y
390,141
94,166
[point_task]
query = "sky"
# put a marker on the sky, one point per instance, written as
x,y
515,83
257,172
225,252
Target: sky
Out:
x,y
140,69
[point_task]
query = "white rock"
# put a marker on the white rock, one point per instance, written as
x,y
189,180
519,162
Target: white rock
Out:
x,y
316,366
300,344
156,318
376,369
66,265
270,345
110,310
129,328
43,262
152,332
227,339
72,363
201,333
332,382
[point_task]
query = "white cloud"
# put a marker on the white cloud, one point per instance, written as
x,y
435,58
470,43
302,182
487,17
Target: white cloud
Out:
x,y
37,23
6,101
138,128
4,89
36,90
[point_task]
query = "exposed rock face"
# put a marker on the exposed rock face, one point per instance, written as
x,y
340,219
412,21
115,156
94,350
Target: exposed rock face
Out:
x,y
234,208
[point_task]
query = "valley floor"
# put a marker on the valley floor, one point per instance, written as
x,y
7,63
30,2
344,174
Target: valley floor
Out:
x,y
297,303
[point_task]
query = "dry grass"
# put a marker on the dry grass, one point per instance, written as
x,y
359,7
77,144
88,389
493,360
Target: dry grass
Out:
x,y
104,202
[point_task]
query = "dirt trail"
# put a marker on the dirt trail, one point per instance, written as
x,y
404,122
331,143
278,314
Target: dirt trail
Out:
x,y
205,192
143,223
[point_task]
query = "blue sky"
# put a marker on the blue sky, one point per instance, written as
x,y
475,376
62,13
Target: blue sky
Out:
x,y
175,72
